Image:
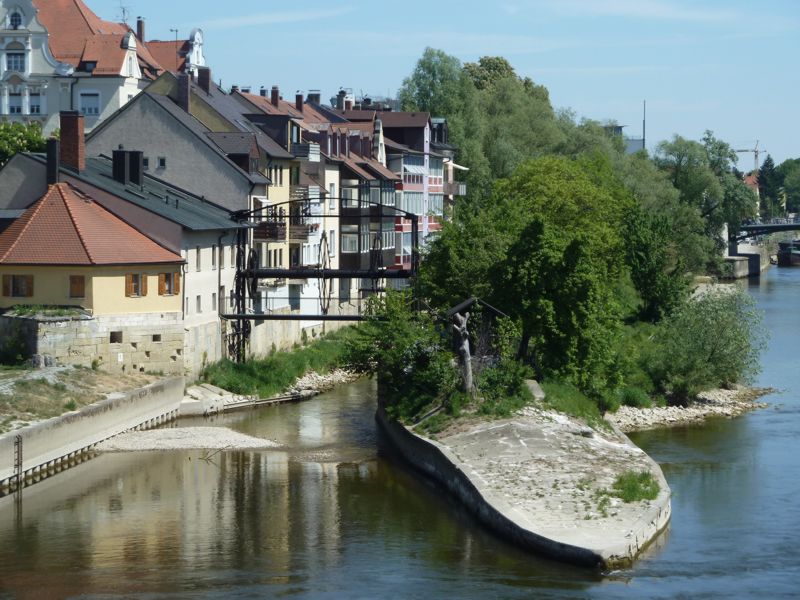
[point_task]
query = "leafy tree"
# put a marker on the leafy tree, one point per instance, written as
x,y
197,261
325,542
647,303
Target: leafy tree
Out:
x,y
791,186
687,164
20,137
435,86
711,341
769,184
488,71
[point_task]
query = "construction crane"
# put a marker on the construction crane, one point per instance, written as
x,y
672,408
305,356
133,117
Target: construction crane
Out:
x,y
756,154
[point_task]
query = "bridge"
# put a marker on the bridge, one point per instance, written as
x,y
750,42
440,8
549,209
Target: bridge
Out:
x,y
764,228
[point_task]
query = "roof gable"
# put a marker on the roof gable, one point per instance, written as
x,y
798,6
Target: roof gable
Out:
x,y
86,234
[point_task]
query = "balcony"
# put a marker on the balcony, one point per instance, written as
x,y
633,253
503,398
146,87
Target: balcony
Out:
x,y
309,152
270,231
455,188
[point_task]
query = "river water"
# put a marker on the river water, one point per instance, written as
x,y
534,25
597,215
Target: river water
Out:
x,y
334,515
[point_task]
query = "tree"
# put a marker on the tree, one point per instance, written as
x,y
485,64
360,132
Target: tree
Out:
x,y
19,137
769,184
435,86
791,186
488,71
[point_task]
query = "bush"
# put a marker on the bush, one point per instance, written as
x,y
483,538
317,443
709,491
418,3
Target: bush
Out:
x,y
634,396
711,341
503,388
13,349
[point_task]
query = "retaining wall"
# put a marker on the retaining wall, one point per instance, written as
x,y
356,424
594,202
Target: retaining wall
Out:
x,y
51,445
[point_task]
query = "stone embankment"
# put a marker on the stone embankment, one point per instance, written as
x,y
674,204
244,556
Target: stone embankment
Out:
x,y
544,481
710,404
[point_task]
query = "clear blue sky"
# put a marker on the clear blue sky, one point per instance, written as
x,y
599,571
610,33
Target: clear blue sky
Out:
x,y
729,66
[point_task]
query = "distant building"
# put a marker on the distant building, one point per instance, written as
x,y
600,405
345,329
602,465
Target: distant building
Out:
x,y
632,144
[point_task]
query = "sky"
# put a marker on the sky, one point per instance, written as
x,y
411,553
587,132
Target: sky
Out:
x,y
728,66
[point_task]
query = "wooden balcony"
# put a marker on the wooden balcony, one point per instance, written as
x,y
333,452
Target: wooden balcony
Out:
x,y
270,231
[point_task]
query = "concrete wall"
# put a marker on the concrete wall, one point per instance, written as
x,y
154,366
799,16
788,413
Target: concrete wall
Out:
x,y
45,445
149,343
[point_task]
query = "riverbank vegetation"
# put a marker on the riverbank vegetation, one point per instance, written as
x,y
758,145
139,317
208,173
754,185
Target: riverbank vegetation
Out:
x,y
590,253
265,377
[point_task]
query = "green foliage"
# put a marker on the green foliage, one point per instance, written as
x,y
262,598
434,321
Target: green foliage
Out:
x,y
634,486
488,71
268,376
503,388
416,371
568,399
712,341
29,310
634,396
20,137
13,347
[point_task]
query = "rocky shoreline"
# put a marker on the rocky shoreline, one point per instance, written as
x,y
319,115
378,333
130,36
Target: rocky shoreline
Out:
x,y
713,403
316,383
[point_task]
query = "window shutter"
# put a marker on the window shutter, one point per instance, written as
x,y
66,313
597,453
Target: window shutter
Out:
x,y
143,278
177,283
29,285
129,285
6,285
162,284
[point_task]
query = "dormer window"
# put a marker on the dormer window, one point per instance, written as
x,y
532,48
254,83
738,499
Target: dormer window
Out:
x,y
90,66
15,20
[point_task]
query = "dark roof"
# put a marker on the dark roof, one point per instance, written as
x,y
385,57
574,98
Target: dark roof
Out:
x,y
403,119
234,112
192,212
234,142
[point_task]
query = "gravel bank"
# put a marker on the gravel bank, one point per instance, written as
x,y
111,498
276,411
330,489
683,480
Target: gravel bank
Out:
x,y
184,438
321,382
713,403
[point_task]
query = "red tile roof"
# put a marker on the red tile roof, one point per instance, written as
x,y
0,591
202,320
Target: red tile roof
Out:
x,y
66,227
78,35
169,54
309,114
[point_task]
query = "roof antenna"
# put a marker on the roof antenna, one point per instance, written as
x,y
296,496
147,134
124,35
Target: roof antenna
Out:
x,y
125,11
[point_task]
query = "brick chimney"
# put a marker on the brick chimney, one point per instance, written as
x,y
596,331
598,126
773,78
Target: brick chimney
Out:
x,y
184,92
298,101
263,92
140,28
204,79
275,96
73,146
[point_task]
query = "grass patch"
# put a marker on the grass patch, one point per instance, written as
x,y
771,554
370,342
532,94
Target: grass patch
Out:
x,y
28,310
633,486
268,376
568,399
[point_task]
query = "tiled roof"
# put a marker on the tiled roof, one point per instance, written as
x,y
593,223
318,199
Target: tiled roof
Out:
x,y
78,35
309,115
234,142
392,119
86,234
170,55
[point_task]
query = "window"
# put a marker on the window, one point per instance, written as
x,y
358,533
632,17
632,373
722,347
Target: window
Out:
x,y
36,104
344,290
294,176
199,304
146,163
221,257
15,21
169,284
233,255
197,263
135,285
332,196
332,243
18,286
15,61
213,257
77,286
349,238
280,175
14,104
213,301
156,337
162,162
90,103
115,337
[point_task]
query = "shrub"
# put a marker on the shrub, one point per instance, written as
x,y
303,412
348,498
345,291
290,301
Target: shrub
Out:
x,y
633,486
634,396
503,388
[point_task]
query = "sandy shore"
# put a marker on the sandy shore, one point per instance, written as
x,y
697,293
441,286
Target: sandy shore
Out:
x,y
184,438
713,403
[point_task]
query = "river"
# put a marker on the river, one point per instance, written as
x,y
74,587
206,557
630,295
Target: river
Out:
x,y
333,515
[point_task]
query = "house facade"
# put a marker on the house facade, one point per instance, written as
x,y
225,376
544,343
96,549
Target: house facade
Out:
x,y
58,55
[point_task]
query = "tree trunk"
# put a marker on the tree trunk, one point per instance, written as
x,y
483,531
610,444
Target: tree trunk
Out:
x,y
460,327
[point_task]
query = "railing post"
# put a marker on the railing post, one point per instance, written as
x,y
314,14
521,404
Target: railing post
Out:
x,y
18,461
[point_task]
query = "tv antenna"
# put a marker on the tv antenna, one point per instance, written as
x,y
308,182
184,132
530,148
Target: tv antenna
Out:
x,y
125,12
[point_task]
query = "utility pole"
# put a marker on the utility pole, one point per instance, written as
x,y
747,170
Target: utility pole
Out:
x,y
175,31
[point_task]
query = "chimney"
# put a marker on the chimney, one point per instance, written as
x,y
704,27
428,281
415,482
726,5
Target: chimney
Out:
x,y
204,79
298,101
184,92
234,88
136,167
340,99
140,28
119,166
314,96
275,96
245,90
52,161
263,92
73,146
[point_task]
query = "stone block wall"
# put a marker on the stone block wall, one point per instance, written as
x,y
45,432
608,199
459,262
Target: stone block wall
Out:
x,y
117,344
